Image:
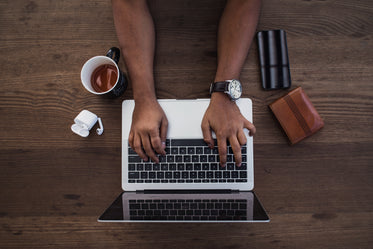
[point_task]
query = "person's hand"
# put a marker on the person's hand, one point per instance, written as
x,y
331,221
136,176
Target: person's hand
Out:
x,y
225,119
149,130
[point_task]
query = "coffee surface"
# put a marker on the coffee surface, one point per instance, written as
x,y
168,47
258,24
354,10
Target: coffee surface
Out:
x,y
104,78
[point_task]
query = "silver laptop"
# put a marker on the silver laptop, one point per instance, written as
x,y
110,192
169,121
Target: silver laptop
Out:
x,y
188,184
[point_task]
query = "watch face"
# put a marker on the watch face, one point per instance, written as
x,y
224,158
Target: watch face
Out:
x,y
235,89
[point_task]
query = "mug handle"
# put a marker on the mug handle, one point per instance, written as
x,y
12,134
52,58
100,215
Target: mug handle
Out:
x,y
114,51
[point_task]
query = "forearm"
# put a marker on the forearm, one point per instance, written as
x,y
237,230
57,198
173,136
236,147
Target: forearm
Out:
x,y
236,30
135,30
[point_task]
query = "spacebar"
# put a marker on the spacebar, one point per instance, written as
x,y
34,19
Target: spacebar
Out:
x,y
188,142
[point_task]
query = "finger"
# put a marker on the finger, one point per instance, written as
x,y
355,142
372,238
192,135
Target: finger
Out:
x,y
248,125
138,148
207,135
236,148
222,147
164,128
130,139
146,143
241,137
155,141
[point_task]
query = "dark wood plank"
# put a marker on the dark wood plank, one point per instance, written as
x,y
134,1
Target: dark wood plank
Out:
x,y
55,184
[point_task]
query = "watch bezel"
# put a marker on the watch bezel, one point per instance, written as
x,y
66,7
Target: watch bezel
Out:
x,y
230,93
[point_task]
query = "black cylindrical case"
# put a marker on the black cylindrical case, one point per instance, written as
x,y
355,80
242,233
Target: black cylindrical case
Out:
x,y
274,59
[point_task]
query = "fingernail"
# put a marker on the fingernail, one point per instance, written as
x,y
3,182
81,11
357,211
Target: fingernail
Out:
x,y
163,145
222,165
239,165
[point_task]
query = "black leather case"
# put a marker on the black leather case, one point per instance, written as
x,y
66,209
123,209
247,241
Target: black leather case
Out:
x,y
274,59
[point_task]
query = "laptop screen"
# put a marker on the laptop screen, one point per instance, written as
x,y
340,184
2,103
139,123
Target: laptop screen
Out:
x,y
185,206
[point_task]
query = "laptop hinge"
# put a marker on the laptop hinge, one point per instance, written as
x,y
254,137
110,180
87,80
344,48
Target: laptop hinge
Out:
x,y
185,191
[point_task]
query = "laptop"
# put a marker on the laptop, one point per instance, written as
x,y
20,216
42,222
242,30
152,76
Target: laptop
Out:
x,y
188,184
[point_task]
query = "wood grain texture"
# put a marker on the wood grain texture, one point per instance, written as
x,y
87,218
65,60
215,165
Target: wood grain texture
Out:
x,y
54,184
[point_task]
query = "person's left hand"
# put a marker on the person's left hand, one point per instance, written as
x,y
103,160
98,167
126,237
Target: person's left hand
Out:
x,y
225,119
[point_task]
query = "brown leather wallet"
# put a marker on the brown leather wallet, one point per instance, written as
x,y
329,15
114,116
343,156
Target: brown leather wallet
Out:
x,y
297,116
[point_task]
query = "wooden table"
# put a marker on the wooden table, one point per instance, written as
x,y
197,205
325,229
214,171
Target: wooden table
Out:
x,y
54,184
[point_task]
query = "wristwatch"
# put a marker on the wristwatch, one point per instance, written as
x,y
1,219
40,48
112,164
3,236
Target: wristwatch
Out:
x,y
232,88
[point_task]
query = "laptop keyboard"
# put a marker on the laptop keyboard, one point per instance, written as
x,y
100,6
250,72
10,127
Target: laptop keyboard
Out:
x,y
187,161
222,209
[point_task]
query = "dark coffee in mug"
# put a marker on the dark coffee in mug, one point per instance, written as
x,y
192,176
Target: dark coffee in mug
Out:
x,y
104,78
101,75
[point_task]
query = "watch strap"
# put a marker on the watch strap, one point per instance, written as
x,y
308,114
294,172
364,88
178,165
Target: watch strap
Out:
x,y
220,86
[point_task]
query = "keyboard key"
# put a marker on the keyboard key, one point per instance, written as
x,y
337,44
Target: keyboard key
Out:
x,y
176,175
172,166
133,175
131,166
214,166
203,159
209,174
144,175
170,159
191,150
199,150
180,166
187,159
230,166
185,174
131,151
152,175
207,150
241,180
148,167
140,167
197,166
201,174
244,150
134,159
189,166
215,151
156,167
211,158
218,174
243,166
226,174
164,166
160,175
162,159
205,166
243,174
188,142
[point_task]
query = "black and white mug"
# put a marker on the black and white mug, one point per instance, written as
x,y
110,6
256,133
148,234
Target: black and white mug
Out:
x,y
90,67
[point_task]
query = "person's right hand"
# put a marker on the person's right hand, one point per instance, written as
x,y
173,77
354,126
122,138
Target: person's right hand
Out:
x,y
148,130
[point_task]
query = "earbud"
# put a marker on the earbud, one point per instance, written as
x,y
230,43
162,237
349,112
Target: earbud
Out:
x,y
100,130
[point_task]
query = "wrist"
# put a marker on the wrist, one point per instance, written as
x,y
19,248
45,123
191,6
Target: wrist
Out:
x,y
220,98
143,90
